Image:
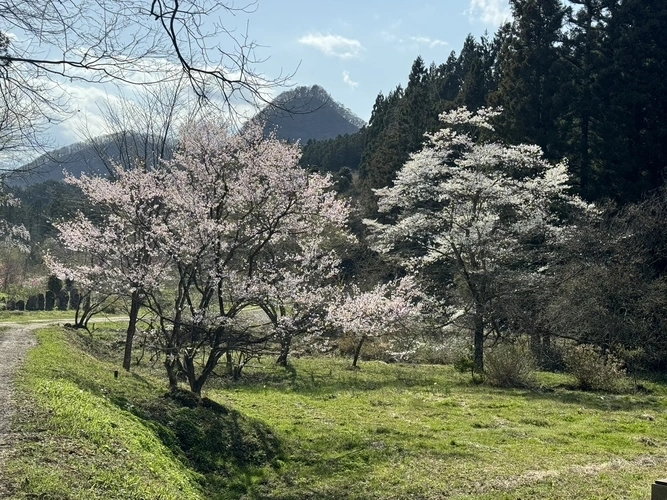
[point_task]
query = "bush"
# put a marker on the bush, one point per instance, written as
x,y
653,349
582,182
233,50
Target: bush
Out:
x,y
510,365
594,370
31,303
54,284
49,300
448,350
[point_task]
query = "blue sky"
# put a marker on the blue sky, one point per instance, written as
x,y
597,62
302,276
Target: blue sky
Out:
x,y
353,49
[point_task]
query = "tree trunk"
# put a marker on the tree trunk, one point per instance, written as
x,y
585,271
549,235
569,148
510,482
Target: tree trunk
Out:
x,y
357,351
478,338
171,374
536,344
229,362
131,329
285,345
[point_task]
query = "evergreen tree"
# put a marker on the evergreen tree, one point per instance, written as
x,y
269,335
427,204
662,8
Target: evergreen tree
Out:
x,y
583,47
634,103
532,74
383,150
475,63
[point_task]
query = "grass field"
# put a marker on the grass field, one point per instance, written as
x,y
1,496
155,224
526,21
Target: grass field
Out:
x,y
319,430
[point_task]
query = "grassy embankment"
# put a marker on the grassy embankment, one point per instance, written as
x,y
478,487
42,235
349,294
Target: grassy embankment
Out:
x,y
322,431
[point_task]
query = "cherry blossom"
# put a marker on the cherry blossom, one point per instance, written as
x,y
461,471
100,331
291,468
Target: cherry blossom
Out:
x,y
383,312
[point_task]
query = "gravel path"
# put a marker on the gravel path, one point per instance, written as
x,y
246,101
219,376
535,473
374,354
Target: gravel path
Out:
x,y
14,343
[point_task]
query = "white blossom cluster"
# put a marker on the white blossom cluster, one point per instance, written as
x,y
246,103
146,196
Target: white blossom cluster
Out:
x,y
470,200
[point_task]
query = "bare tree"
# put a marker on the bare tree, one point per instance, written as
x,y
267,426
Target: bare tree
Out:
x,y
25,112
135,41
141,128
46,45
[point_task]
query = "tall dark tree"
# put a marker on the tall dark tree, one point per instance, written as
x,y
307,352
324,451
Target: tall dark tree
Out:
x,y
384,152
585,59
532,76
476,63
634,102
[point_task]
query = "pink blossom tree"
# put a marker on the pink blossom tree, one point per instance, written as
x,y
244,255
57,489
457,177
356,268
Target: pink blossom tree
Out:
x,y
243,217
300,284
118,249
230,225
476,205
385,312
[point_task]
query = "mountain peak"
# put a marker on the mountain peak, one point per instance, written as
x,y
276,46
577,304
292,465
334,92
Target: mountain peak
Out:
x,y
305,113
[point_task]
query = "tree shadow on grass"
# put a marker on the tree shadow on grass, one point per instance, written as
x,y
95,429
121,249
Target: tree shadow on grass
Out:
x,y
228,448
600,401
339,379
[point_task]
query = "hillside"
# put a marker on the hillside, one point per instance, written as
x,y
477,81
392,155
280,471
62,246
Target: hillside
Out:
x,y
76,159
301,114
306,113
93,157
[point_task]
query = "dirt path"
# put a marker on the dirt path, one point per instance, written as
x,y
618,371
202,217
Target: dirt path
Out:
x,y
14,344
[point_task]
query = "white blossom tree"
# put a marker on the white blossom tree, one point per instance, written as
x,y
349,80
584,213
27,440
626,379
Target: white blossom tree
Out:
x,y
476,204
12,235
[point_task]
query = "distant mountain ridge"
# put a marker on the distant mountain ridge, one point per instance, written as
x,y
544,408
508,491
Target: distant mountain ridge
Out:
x,y
77,158
302,114
306,113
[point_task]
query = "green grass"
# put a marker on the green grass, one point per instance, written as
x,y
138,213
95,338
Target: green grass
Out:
x,y
319,430
400,431
32,316
89,435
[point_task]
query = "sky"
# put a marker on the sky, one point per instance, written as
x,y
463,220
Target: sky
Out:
x,y
354,49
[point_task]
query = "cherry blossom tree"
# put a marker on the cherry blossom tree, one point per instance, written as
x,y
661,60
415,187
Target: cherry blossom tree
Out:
x,y
12,235
241,214
383,312
474,204
300,285
118,249
230,226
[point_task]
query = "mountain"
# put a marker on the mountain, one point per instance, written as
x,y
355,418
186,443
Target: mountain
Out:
x,y
76,159
306,113
92,157
303,113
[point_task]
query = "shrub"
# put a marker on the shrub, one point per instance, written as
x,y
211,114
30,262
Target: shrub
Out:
x,y
448,350
54,284
510,364
62,300
593,369
31,303
49,300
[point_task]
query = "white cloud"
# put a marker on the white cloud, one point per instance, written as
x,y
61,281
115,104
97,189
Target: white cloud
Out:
x,y
490,11
432,43
334,45
348,80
